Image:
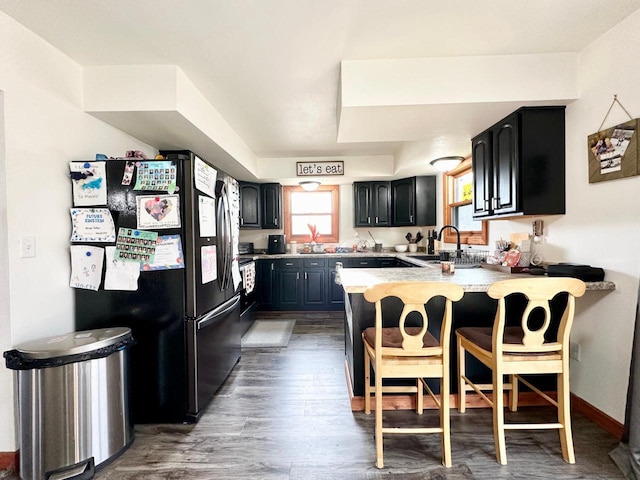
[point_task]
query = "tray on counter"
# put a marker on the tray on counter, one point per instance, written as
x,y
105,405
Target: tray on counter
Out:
x,y
500,268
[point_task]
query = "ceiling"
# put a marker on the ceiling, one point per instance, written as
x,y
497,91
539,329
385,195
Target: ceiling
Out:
x,y
271,68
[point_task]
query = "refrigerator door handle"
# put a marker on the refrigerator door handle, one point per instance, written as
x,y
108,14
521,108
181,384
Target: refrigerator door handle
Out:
x,y
221,251
212,317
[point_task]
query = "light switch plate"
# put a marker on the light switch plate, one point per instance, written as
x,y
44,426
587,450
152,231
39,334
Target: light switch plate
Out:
x,y
27,246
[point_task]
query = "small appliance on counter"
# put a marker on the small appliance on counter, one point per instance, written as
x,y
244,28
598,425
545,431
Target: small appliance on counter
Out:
x,y
276,245
586,273
245,248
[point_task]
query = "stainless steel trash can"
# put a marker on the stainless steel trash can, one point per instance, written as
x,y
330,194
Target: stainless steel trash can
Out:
x,y
73,406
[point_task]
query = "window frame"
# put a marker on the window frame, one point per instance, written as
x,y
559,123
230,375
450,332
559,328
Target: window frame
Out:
x,y
467,237
335,214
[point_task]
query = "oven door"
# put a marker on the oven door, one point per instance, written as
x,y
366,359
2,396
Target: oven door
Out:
x,y
213,349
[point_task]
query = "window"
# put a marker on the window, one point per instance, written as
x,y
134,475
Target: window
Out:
x,y
319,208
458,207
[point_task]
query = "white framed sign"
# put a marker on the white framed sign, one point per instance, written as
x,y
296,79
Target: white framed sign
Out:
x,y
306,169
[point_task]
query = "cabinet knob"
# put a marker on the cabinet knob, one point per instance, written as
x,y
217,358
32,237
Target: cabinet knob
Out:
x,y
368,219
305,275
297,275
377,220
275,221
411,218
241,221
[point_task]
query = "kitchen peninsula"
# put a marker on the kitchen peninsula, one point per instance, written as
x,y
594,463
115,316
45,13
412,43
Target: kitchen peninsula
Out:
x,y
475,308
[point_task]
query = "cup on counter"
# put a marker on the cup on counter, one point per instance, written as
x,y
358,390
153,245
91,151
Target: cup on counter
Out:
x,y
377,247
448,268
413,247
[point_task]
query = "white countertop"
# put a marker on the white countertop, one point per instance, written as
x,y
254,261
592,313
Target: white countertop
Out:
x,y
356,280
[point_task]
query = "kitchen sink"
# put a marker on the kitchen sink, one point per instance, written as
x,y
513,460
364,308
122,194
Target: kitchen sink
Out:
x,y
426,258
468,259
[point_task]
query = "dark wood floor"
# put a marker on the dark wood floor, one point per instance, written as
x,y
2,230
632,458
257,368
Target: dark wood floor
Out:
x,y
284,414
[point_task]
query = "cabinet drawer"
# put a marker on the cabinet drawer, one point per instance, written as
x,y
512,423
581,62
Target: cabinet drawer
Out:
x,y
291,263
364,263
315,263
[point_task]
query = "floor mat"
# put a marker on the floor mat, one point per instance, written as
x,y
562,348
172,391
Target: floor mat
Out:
x,y
268,333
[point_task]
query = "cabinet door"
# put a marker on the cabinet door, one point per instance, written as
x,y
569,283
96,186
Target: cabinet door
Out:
x,y
271,194
250,205
482,174
315,287
266,284
380,204
289,288
403,202
362,204
505,166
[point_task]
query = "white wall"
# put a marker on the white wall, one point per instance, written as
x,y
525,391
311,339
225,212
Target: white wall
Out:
x,y
44,128
602,223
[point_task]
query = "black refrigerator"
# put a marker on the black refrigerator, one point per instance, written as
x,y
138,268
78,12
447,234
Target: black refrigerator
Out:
x,y
185,321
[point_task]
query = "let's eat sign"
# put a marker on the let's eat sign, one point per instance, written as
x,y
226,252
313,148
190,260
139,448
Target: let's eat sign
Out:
x,y
319,168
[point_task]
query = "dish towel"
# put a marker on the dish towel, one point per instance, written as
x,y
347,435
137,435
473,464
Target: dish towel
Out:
x,y
249,277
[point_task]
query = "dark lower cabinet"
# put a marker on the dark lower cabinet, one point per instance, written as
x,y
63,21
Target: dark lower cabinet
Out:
x,y
266,284
299,284
315,284
290,291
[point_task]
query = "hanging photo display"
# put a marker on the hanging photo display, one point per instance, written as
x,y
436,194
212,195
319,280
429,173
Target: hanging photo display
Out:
x,y
89,180
92,225
135,245
156,175
158,211
613,152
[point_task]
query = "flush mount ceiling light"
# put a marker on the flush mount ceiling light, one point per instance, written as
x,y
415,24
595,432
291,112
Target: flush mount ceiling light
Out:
x,y
310,185
444,164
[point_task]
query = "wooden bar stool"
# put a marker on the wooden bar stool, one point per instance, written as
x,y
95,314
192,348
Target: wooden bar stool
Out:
x,y
520,350
409,352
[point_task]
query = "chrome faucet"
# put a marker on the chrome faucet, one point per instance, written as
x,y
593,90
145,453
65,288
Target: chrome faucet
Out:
x,y
458,249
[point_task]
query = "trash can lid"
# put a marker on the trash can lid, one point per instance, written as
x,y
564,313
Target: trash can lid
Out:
x,y
73,343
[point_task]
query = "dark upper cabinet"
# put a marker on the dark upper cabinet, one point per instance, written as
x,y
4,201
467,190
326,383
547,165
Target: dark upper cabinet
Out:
x,y
260,205
371,204
482,153
271,196
413,201
519,165
250,211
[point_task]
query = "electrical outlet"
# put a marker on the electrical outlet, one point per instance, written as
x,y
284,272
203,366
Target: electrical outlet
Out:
x,y
27,246
574,351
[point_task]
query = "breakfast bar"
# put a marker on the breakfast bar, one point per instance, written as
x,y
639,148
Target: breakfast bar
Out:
x,y
475,309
